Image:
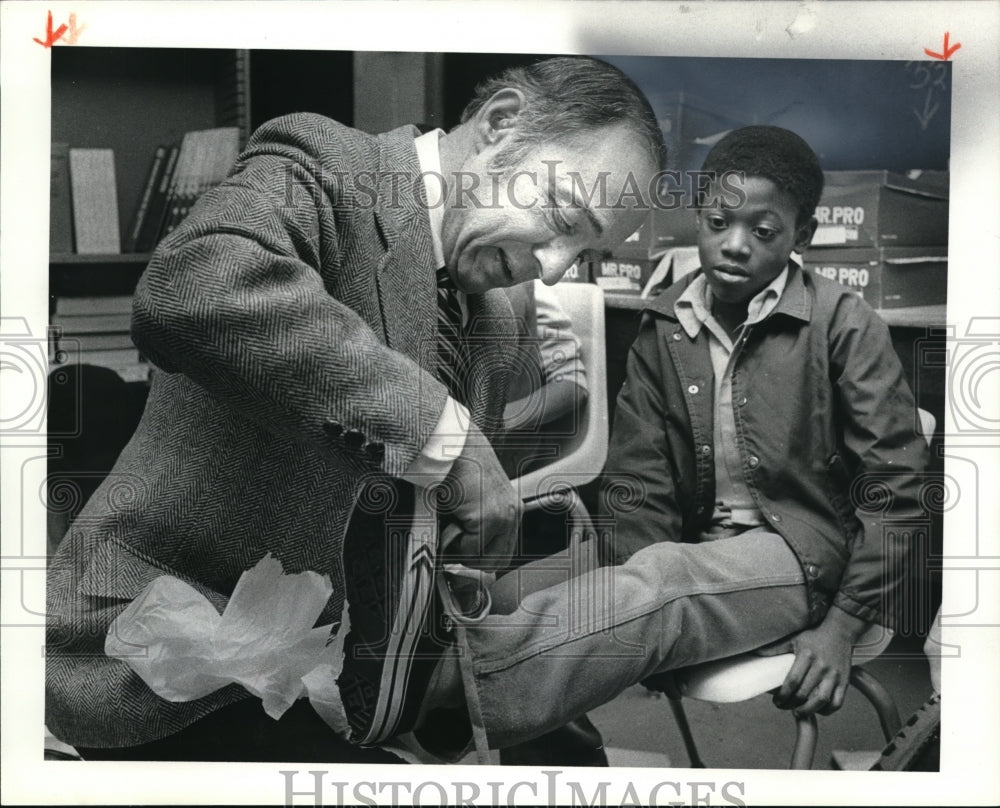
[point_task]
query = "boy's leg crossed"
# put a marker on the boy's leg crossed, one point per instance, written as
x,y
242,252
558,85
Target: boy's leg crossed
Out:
x,y
573,646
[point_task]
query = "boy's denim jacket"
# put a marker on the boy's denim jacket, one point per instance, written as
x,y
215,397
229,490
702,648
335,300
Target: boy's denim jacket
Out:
x,y
828,438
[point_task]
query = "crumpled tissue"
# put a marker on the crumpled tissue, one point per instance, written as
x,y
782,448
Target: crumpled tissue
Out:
x,y
183,649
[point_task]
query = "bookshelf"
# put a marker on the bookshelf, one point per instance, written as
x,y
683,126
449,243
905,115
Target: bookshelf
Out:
x,y
131,101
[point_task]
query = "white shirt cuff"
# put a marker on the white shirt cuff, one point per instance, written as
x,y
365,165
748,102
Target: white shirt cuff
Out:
x,y
446,443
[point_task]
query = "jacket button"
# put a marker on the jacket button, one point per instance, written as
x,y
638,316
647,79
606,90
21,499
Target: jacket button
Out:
x,y
743,401
706,450
812,571
693,389
677,336
775,517
375,450
753,461
354,438
333,429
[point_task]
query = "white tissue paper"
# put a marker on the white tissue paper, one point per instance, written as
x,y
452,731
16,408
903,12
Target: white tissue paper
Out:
x,y
173,638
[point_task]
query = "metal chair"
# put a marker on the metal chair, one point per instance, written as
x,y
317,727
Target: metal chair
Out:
x,y
746,676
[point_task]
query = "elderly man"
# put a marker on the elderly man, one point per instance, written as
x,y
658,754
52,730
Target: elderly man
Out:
x,y
329,349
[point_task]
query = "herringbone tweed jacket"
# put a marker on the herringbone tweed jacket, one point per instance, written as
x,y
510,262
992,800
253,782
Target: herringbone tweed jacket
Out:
x,y
293,319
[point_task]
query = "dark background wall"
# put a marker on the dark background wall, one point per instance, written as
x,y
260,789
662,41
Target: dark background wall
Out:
x,y
856,114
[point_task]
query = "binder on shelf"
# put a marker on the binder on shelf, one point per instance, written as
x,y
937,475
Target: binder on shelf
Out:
x,y
60,202
149,188
95,201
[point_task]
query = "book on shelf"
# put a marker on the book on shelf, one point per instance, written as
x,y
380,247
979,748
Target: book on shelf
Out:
x,y
204,161
109,304
96,342
92,323
152,224
128,364
153,177
95,201
60,201
109,358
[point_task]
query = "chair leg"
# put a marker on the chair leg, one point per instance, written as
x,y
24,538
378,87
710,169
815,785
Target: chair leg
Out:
x,y
581,526
682,724
806,734
873,690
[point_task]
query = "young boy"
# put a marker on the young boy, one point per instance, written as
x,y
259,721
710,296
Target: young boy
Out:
x,y
763,459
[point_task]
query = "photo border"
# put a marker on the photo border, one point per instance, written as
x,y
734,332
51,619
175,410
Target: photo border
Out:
x,y
841,30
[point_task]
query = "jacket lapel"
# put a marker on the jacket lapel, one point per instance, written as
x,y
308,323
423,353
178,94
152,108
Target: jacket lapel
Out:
x,y
408,288
405,276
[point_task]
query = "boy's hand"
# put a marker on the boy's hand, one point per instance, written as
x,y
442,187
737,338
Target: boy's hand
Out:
x,y
820,674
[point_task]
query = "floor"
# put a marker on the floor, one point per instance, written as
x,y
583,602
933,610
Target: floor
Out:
x,y
639,729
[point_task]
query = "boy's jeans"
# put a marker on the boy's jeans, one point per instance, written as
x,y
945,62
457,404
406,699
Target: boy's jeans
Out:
x,y
573,646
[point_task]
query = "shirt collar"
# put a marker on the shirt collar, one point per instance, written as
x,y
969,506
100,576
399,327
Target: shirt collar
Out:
x,y
429,158
694,307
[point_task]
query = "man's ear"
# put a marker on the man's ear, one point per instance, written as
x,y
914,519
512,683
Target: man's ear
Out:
x,y
804,235
497,118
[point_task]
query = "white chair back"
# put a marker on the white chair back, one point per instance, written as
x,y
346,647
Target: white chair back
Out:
x,y
582,454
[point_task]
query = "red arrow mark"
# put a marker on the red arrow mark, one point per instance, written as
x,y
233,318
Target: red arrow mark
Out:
x,y
51,37
74,30
947,51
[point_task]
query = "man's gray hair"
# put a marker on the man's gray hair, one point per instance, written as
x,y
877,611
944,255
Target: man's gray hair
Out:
x,y
565,97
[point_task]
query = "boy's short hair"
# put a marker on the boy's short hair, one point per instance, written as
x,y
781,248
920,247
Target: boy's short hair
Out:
x,y
774,154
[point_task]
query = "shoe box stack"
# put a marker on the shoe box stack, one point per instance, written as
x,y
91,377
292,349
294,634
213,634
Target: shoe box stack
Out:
x,y
664,230
885,236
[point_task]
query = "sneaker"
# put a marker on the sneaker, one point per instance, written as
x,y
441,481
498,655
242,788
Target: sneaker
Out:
x,y
396,632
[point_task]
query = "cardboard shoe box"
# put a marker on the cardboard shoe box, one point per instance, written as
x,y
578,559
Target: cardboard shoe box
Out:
x,y
578,273
622,275
661,230
886,277
882,209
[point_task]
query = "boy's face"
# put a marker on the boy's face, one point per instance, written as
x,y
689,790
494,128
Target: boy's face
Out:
x,y
743,249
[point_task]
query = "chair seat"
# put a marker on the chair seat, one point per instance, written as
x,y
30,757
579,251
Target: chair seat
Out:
x,y
746,676
734,678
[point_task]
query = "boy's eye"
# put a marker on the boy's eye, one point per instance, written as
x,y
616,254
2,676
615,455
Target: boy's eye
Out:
x,y
765,233
716,222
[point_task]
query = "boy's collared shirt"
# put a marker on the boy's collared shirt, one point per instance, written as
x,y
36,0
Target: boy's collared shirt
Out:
x,y
734,504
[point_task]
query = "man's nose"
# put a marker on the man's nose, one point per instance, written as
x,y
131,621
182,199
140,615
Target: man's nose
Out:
x,y
736,243
553,261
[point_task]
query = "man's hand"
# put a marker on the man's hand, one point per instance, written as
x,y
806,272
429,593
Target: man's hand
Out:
x,y
480,502
819,677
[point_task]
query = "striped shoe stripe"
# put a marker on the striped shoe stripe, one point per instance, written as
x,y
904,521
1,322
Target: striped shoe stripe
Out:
x,y
415,596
